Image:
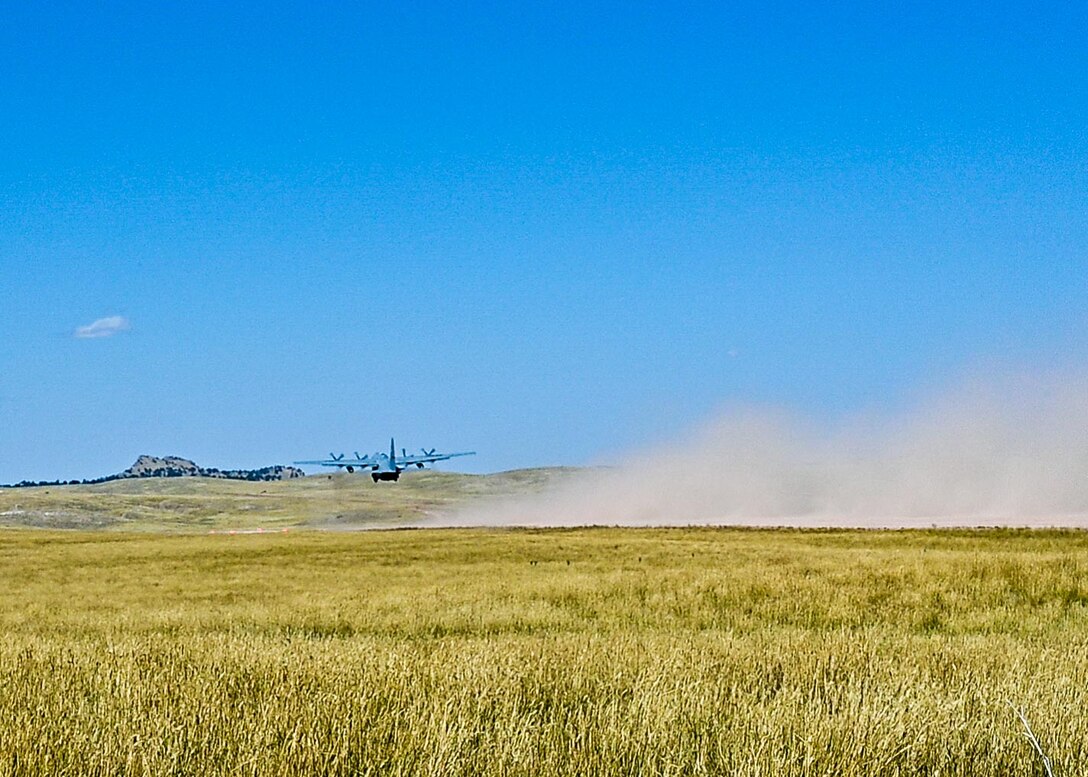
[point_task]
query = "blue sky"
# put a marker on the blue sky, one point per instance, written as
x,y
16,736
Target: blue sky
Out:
x,y
549,233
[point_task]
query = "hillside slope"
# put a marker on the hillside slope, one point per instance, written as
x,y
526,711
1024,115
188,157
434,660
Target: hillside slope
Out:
x,y
204,504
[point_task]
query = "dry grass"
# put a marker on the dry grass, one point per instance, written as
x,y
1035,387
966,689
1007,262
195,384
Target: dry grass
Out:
x,y
544,652
201,504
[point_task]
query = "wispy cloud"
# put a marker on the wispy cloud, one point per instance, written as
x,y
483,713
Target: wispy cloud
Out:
x,y
103,327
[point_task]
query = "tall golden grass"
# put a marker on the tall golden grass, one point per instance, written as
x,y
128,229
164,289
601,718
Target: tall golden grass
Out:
x,y
597,651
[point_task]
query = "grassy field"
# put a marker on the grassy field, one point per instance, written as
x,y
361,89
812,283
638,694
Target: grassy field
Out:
x,y
195,504
516,652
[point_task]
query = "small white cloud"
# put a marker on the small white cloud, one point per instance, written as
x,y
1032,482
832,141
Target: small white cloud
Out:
x,y
103,327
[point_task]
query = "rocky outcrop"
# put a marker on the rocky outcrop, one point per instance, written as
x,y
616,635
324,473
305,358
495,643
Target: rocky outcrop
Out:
x,y
161,467
177,467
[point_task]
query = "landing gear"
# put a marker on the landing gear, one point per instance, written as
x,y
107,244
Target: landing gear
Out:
x,y
374,478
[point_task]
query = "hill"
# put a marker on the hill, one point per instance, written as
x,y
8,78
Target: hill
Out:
x,y
202,503
175,467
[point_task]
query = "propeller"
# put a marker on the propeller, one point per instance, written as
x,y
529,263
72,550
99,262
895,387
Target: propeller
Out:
x,y
403,453
334,457
428,452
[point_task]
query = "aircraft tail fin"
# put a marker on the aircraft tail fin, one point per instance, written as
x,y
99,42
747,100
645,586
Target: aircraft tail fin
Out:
x,y
392,451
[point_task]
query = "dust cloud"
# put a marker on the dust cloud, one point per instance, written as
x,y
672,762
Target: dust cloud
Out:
x,y
1012,452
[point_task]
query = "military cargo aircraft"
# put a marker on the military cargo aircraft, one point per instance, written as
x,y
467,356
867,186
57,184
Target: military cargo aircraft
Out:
x,y
385,466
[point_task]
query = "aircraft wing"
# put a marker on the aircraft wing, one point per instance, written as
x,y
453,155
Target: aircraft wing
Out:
x,y
343,461
428,458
